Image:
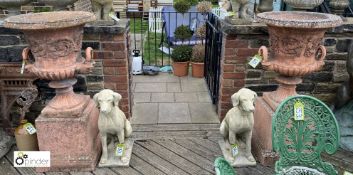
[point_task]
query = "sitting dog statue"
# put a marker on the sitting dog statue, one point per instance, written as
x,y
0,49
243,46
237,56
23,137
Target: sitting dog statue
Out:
x,y
102,8
112,121
237,126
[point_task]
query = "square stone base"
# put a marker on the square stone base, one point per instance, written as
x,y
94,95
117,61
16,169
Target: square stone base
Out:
x,y
262,133
73,143
115,161
238,161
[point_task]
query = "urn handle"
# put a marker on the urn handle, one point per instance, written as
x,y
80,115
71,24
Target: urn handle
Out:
x,y
89,54
25,54
263,52
322,49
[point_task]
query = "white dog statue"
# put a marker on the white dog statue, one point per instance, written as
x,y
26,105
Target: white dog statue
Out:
x,y
112,122
237,127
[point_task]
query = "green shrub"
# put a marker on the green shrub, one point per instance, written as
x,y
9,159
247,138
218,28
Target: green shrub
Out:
x,y
183,32
182,6
198,53
181,53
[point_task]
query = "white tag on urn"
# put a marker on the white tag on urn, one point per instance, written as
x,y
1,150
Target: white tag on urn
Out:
x,y
255,61
114,17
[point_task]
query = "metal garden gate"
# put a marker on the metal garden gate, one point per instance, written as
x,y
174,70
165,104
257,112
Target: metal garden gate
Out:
x,y
213,56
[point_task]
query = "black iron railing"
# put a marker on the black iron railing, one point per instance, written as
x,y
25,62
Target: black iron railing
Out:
x,y
213,56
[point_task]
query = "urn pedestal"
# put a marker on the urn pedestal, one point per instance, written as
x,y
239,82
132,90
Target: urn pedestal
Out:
x,y
295,51
67,126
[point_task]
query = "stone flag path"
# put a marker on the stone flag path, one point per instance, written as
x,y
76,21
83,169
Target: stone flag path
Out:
x,y
167,99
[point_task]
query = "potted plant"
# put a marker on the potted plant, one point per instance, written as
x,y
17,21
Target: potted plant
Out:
x,y
197,61
183,33
181,56
182,6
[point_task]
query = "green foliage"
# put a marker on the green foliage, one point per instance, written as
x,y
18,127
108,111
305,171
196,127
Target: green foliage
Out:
x,y
182,6
183,32
198,53
181,53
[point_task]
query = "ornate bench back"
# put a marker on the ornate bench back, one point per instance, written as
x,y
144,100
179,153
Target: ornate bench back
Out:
x,y
300,140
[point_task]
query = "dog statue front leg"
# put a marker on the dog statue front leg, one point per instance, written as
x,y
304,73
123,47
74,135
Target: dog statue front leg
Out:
x,y
104,157
248,154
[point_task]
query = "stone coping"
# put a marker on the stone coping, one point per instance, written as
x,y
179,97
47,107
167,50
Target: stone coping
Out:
x,y
261,28
118,28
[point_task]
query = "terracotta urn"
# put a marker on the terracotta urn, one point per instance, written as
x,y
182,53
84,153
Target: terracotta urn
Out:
x,y
303,4
55,40
295,48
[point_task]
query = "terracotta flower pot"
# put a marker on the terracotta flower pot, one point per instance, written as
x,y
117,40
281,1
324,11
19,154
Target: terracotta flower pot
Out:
x,y
296,48
197,69
180,69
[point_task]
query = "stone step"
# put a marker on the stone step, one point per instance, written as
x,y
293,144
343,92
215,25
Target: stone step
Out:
x,y
342,160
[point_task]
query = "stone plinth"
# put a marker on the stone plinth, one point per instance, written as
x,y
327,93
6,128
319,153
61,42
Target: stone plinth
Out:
x,y
238,161
73,142
262,133
115,161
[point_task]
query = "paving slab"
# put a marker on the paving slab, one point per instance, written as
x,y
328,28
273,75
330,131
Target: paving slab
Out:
x,y
203,113
193,87
162,97
186,97
142,97
204,97
174,113
161,77
173,87
151,87
145,113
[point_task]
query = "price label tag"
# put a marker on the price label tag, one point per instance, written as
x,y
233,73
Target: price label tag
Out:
x,y
111,14
120,149
23,66
298,110
30,128
255,61
235,150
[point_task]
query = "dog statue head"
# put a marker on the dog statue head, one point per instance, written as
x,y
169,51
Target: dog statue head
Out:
x,y
244,99
106,100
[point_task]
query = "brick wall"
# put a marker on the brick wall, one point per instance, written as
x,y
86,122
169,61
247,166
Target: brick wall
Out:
x,y
111,70
240,43
110,46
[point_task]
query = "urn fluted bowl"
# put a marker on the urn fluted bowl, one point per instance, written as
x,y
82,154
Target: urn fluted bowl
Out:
x,y
303,4
54,39
295,39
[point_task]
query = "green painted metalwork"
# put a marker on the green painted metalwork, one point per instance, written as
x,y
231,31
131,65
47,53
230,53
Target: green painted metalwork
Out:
x,y
300,142
223,167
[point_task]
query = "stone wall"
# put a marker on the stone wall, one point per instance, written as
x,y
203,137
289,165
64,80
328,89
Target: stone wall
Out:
x,y
240,43
111,69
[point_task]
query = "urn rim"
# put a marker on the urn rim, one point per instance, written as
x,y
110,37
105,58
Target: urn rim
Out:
x,y
49,20
298,19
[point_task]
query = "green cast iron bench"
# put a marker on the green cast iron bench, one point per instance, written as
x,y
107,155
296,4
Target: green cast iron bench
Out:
x,y
300,141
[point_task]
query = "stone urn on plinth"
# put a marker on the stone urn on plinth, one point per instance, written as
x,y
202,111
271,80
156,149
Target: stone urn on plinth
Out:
x,y
67,126
295,51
